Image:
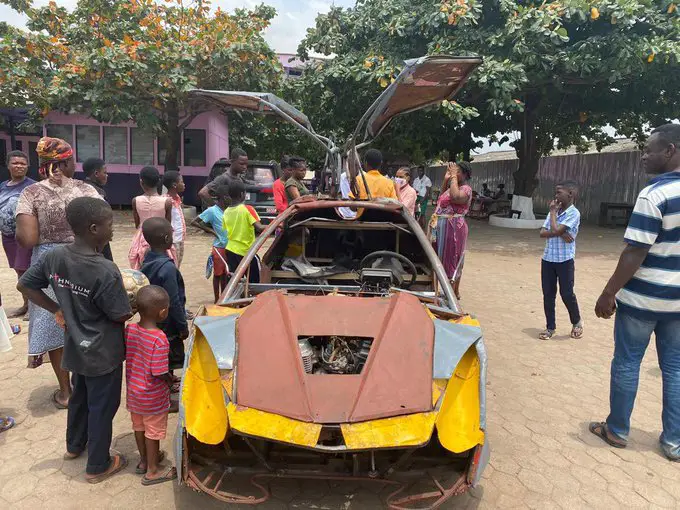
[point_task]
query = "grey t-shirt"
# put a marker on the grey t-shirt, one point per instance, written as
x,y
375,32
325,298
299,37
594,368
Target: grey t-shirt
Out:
x,y
225,178
91,294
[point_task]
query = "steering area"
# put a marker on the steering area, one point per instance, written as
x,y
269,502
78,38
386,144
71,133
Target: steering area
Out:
x,y
405,263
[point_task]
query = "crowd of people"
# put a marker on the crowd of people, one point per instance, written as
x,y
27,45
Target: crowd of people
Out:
x,y
56,234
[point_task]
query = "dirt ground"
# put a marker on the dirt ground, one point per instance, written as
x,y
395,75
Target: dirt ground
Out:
x,y
541,397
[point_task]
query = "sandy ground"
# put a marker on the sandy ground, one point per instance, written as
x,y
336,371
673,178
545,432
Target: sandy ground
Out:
x,y
541,397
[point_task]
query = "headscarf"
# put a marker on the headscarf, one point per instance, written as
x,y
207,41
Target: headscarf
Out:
x,y
52,151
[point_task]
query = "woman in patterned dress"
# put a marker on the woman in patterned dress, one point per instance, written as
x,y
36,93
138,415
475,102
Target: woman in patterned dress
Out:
x,y
41,224
449,230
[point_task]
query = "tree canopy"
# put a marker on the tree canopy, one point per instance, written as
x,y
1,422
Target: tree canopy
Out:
x,y
120,60
556,72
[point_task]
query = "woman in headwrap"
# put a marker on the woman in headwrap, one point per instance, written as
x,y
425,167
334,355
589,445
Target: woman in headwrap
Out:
x,y
448,228
42,225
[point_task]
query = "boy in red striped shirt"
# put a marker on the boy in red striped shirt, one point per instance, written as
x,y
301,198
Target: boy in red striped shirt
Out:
x,y
148,381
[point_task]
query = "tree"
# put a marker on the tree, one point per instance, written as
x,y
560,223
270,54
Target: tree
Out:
x,y
556,72
134,60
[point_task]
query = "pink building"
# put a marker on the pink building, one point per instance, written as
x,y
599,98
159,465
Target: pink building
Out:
x,y
127,148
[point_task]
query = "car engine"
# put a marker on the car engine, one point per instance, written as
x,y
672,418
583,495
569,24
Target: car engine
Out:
x,y
334,354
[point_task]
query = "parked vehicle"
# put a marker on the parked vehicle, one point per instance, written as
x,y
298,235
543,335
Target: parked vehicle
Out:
x,y
351,359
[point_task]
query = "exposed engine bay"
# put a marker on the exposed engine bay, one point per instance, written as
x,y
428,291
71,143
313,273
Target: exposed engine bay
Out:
x,y
334,354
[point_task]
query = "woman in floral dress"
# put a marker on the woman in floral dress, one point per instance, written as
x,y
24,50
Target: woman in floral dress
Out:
x,y
449,230
41,224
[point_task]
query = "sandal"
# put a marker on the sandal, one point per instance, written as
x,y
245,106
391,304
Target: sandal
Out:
x,y
577,330
71,455
140,471
601,430
547,334
118,463
56,402
169,475
6,423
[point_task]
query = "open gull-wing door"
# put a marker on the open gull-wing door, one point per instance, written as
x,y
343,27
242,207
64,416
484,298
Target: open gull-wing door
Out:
x,y
423,82
260,102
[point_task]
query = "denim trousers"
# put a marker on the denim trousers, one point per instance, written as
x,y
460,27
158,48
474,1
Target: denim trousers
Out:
x,y
631,338
551,274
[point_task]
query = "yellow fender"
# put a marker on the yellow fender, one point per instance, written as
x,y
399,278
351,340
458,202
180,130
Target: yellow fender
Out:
x,y
205,408
458,419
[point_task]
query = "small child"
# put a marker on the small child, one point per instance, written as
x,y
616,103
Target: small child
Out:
x,y
92,305
241,224
162,271
211,221
173,182
148,383
560,230
148,205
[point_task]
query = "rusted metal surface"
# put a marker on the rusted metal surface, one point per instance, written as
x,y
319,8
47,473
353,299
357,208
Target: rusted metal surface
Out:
x,y
396,380
396,500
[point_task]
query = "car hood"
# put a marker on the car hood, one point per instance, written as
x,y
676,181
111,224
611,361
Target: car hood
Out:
x,y
396,380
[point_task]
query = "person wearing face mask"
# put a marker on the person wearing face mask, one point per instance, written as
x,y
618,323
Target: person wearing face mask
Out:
x,y
407,195
41,224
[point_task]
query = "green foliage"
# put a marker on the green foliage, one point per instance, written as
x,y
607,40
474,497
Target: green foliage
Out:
x,y
118,60
556,72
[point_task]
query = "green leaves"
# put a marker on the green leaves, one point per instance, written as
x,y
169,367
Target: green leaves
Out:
x,y
122,60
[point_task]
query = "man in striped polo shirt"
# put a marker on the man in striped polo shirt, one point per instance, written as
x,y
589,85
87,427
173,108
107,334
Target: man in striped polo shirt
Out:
x,y
644,292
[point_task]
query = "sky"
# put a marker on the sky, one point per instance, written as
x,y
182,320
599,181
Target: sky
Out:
x,y
287,29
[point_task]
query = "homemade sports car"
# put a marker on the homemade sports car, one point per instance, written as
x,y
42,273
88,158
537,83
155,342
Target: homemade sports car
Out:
x,y
351,358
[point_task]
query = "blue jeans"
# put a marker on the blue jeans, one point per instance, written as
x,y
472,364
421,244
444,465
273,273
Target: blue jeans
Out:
x,y
631,337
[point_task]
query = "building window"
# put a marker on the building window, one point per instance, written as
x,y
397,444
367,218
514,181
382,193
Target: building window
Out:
x,y
194,147
295,73
116,145
142,146
87,142
162,152
63,131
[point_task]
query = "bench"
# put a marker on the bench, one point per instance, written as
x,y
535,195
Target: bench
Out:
x,y
614,214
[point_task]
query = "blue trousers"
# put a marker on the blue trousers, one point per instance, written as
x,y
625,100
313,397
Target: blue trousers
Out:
x,y
91,408
631,338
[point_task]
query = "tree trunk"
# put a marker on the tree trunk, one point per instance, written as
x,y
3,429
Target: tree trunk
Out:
x,y
172,139
528,152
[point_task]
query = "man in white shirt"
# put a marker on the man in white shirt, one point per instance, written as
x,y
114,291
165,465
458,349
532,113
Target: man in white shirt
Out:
x,y
346,212
422,184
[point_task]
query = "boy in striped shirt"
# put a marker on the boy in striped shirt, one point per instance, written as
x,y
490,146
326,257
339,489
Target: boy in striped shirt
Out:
x,y
148,380
644,292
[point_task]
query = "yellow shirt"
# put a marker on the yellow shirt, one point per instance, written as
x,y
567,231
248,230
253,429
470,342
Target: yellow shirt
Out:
x,y
238,222
379,185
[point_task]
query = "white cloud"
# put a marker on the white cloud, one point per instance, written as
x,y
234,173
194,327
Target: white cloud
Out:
x,y
285,33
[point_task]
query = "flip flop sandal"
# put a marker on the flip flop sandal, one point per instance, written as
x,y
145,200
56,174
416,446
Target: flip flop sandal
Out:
x,y
600,430
547,334
140,471
56,402
118,463
577,330
6,423
168,476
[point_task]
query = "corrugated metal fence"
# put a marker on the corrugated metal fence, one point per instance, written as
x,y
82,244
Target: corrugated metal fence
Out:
x,y
605,177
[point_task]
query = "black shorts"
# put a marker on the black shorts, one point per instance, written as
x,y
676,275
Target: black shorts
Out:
x,y
233,260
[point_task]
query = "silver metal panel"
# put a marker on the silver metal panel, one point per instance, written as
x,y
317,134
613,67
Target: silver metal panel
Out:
x,y
451,342
483,361
220,332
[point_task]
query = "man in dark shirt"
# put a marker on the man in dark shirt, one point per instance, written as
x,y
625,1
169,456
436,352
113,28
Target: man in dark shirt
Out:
x,y
92,305
238,167
162,271
97,177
